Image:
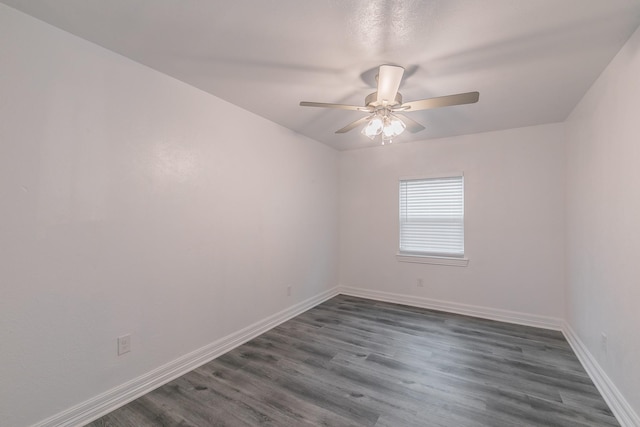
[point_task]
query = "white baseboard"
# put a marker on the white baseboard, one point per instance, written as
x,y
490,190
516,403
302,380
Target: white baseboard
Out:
x,y
454,307
104,403
623,412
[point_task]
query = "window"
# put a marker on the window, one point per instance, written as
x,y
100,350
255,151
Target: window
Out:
x,y
432,217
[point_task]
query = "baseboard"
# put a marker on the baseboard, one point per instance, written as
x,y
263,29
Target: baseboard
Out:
x,y
453,307
623,412
104,403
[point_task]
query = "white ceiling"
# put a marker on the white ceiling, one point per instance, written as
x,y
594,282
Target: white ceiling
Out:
x,y
531,60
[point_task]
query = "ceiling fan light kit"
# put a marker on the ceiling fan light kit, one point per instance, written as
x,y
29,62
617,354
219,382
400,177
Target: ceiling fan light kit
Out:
x,y
386,101
385,124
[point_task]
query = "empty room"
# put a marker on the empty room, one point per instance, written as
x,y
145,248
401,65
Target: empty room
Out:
x,y
297,213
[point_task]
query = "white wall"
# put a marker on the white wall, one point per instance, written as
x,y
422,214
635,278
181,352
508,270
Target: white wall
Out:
x,y
513,219
133,203
603,220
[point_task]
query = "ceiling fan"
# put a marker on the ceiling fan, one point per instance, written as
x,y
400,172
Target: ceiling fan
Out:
x,y
385,104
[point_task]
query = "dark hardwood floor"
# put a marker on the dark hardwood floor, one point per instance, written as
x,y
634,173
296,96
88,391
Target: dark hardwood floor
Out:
x,y
357,362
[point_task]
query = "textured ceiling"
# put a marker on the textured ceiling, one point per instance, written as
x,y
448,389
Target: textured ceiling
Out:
x,y
531,60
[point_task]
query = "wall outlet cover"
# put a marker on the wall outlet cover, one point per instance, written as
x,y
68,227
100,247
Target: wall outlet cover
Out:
x,y
124,344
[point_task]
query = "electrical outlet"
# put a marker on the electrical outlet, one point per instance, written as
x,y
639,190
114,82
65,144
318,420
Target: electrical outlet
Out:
x,y
124,344
420,283
289,290
603,342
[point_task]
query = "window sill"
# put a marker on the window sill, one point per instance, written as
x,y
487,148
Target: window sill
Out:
x,y
427,259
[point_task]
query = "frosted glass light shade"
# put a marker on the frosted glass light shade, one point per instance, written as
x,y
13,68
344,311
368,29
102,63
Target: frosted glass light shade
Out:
x,y
393,127
374,127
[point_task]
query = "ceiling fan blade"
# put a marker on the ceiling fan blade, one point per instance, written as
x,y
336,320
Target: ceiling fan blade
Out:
x,y
389,79
412,125
338,106
353,125
443,101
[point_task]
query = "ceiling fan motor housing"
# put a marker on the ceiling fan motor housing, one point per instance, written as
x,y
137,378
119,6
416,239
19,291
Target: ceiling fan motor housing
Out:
x,y
371,100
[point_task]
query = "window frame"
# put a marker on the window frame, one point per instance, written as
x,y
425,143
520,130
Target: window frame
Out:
x,y
426,257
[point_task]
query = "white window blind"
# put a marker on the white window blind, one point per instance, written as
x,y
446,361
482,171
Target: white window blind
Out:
x,y
432,216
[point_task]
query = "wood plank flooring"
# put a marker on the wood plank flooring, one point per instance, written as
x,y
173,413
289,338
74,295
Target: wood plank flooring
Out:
x,y
357,362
